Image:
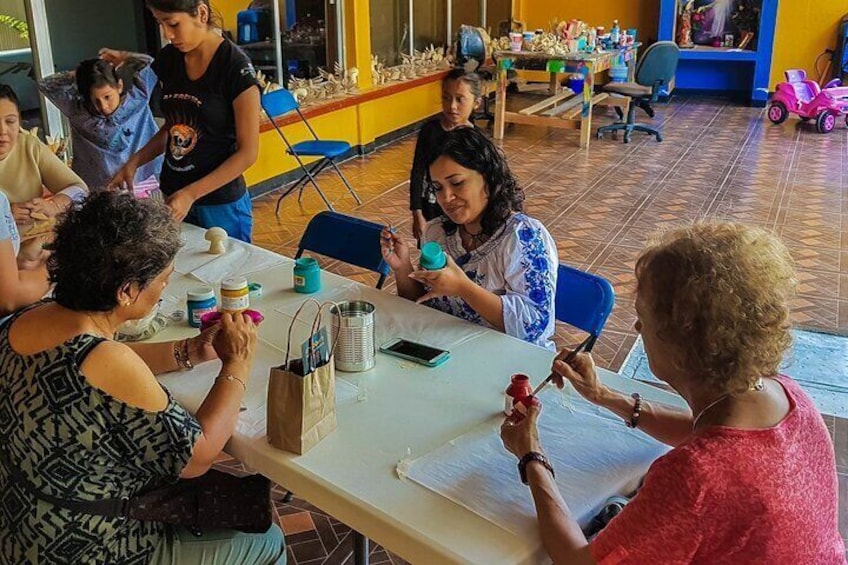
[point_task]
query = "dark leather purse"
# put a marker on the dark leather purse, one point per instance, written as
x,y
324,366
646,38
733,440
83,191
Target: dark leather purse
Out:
x,y
215,500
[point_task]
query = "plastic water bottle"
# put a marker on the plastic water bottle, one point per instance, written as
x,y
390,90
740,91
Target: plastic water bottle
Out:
x,y
615,33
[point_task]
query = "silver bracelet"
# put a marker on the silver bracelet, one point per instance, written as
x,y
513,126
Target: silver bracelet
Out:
x,y
231,378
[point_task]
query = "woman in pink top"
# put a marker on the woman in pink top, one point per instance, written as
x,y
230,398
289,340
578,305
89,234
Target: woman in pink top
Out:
x,y
752,476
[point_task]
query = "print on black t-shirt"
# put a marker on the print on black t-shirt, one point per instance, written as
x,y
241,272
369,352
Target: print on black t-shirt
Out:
x,y
184,131
200,119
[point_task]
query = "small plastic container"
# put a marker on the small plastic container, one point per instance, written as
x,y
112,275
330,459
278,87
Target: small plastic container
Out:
x,y
235,296
576,83
519,398
519,389
200,301
211,318
255,291
516,41
433,257
307,275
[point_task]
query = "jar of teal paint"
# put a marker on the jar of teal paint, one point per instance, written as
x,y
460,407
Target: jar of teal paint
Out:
x,y
200,301
433,257
307,275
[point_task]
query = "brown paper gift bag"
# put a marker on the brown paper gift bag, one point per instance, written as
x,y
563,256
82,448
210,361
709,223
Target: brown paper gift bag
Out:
x,y
301,409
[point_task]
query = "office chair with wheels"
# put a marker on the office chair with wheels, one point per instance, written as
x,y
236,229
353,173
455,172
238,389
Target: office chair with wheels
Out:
x,y
654,74
583,300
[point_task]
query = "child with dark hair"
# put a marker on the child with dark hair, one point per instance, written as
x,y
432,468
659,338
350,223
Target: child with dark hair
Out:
x,y
106,101
461,92
501,264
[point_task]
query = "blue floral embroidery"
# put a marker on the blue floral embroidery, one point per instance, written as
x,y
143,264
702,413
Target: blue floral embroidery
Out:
x,y
537,275
458,307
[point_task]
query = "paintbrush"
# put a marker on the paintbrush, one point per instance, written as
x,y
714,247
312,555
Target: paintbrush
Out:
x,y
568,359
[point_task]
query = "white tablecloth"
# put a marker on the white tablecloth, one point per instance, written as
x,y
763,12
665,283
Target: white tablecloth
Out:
x,y
397,410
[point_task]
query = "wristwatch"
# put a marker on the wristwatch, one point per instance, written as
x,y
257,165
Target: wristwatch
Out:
x,y
533,456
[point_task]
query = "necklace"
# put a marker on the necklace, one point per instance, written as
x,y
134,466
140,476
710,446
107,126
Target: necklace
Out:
x,y
756,387
477,239
103,334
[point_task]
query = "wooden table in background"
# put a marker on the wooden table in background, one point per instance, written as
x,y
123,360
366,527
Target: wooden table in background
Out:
x,y
563,108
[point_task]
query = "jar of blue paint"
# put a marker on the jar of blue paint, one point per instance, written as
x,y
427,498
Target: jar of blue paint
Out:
x,y
307,275
200,301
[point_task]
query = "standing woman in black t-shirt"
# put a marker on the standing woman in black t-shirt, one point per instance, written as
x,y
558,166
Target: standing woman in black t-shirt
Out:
x,y
210,99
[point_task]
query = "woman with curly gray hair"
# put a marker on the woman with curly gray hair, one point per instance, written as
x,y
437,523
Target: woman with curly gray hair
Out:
x,y
84,421
501,264
752,476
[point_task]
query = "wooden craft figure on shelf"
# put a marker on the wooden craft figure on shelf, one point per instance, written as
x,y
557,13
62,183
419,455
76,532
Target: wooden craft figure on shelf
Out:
x,y
684,26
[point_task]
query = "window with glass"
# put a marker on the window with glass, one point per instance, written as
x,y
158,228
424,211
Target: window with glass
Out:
x,y
310,34
429,23
395,24
389,30
465,12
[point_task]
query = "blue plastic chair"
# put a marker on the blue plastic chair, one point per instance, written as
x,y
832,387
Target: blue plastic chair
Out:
x,y
279,103
583,300
347,239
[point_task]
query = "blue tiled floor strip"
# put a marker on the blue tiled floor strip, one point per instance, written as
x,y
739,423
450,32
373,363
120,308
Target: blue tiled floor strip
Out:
x,y
817,361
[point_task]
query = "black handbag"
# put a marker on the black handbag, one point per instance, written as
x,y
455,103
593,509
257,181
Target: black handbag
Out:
x,y
215,500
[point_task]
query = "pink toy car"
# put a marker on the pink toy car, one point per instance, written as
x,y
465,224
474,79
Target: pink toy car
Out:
x,y
804,97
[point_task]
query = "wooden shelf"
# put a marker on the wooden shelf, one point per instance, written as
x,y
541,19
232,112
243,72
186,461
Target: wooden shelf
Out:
x,y
706,53
715,70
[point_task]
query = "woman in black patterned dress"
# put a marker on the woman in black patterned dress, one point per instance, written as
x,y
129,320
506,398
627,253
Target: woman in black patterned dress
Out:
x,y
82,417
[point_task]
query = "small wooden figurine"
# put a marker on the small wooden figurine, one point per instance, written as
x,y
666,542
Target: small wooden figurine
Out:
x,y
217,238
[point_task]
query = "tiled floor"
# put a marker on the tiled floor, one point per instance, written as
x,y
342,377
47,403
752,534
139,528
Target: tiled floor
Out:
x,y
718,161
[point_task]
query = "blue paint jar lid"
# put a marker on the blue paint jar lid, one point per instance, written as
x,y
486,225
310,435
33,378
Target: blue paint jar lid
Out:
x,y
306,264
432,257
200,294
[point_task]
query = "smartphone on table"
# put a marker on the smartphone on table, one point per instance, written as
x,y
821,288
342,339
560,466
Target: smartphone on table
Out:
x,y
417,352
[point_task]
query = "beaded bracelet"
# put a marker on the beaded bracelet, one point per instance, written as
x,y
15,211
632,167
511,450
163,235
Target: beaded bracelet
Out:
x,y
533,456
181,355
637,410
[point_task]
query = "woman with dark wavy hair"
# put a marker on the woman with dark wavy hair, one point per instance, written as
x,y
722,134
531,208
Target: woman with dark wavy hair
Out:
x,y
502,264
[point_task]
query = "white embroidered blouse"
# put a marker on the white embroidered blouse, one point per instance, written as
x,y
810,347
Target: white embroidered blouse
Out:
x,y
519,264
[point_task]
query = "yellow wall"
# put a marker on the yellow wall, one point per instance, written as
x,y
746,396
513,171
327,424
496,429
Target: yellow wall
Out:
x,y
228,10
643,15
805,28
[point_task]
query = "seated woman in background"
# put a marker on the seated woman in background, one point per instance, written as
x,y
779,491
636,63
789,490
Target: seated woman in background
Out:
x,y
74,432
110,116
502,264
20,284
461,93
752,476
28,167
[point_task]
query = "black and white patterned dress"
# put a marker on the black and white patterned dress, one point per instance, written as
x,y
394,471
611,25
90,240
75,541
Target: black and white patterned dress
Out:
x,y
73,441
